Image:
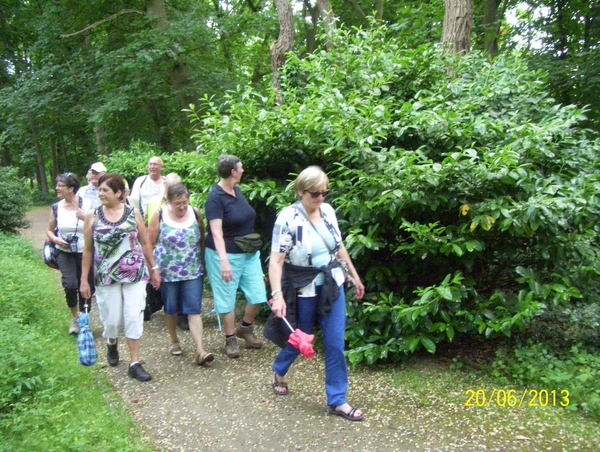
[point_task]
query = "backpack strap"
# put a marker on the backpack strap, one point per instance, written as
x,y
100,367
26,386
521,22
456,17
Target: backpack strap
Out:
x,y
55,211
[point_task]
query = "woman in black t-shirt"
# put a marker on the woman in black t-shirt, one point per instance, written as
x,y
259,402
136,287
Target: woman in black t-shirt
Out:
x,y
229,216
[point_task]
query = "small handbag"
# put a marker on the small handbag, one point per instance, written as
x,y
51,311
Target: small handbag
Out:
x,y
48,253
249,243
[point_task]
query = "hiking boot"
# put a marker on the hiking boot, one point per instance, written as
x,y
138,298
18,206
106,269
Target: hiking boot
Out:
x,y
232,348
74,328
113,353
247,333
137,371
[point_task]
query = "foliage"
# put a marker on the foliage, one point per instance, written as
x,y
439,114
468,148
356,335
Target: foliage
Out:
x,y
133,162
562,327
537,365
40,375
40,198
15,201
468,198
563,39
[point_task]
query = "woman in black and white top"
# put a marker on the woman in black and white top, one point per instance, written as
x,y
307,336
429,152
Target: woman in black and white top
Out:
x,y
65,229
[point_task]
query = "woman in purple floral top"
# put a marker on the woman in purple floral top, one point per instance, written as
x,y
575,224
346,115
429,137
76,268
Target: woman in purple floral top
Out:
x,y
177,234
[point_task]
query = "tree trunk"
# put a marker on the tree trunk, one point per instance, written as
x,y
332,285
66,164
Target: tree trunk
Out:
x,y
283,44
328,19
62,146
458,23
178,73
100,141
361,13
40,167
311,28
379,9
55,166
491,27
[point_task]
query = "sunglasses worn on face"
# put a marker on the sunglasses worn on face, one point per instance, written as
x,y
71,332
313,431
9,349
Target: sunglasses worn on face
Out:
x,y
316,194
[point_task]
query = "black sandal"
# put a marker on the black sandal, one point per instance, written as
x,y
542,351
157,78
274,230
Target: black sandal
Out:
x,y
279,385
350,415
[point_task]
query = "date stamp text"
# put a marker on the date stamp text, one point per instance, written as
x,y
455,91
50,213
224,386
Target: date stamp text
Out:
x,y
517,398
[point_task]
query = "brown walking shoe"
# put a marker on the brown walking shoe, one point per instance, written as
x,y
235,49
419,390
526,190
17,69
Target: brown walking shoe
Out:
x,y
232,348
247,333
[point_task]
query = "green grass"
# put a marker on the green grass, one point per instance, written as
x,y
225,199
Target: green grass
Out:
x,y
48,401
446,395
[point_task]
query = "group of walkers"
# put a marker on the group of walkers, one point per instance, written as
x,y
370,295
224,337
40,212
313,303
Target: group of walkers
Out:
x,y
113,244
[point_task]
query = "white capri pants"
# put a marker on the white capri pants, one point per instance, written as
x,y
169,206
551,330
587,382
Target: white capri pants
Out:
x,y
122,304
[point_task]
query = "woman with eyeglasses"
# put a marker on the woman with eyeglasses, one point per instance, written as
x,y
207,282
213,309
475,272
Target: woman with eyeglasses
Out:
x,y
176,233
307,286
65,229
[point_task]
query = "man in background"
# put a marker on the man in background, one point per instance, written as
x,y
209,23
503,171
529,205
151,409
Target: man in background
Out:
x,y
146,188
91,191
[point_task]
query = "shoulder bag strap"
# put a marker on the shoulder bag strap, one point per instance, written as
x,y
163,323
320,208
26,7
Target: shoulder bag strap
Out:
x,y
315,229
55,210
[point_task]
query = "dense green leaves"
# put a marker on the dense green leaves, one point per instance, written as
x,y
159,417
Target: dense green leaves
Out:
x,y
467,196
15,201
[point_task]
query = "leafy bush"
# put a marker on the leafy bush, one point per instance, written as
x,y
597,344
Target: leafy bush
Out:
x,y
15,201
133,162
42,198
563,327
19,374
40,374
538,366
468,198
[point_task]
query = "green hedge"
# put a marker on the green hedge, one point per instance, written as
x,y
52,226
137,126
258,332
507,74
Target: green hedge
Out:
x,y
40,375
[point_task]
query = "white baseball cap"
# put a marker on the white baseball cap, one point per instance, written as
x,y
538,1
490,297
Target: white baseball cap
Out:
x,y
98,167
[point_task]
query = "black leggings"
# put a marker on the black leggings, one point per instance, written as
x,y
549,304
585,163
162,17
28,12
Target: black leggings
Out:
x,y
70,267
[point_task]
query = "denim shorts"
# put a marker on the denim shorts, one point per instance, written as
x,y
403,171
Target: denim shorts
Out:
x,y
182,297
247,276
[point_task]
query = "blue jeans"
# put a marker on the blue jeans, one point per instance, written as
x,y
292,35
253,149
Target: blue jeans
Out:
x,y
182,297
333,327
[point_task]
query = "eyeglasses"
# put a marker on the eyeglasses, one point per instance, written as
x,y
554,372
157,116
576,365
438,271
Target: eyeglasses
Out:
x,y
316,194
61,185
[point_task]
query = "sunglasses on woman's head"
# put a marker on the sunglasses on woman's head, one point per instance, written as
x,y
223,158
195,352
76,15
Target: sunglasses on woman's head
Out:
x,y
316,194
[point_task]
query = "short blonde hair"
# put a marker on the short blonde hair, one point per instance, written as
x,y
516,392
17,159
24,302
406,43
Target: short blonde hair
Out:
x,y
312,178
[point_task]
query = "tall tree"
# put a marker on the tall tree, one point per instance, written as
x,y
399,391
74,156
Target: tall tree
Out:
x,y
458,23
284,43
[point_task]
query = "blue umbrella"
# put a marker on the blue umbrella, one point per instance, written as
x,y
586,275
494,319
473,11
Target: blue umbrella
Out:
x,y
85,341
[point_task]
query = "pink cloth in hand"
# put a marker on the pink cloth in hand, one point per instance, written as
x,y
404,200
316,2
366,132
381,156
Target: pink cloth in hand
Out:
x,y
303,342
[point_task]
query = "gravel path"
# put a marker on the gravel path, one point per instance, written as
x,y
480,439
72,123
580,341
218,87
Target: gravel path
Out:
x,y
230,406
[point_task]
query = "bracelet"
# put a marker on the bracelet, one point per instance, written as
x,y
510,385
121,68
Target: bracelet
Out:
x,y
154,268
278,298
275,291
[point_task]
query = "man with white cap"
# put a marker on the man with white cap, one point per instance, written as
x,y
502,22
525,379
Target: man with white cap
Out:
x,y
91,191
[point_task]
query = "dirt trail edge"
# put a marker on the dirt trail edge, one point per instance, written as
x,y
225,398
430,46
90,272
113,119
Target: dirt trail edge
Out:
x,y
230,406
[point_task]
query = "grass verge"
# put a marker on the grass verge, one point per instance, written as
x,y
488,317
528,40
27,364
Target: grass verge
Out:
x,y
460,404
48,401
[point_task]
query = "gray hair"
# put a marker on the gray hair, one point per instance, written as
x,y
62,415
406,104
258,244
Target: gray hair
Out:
x,y
172,179
177,191
227,163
